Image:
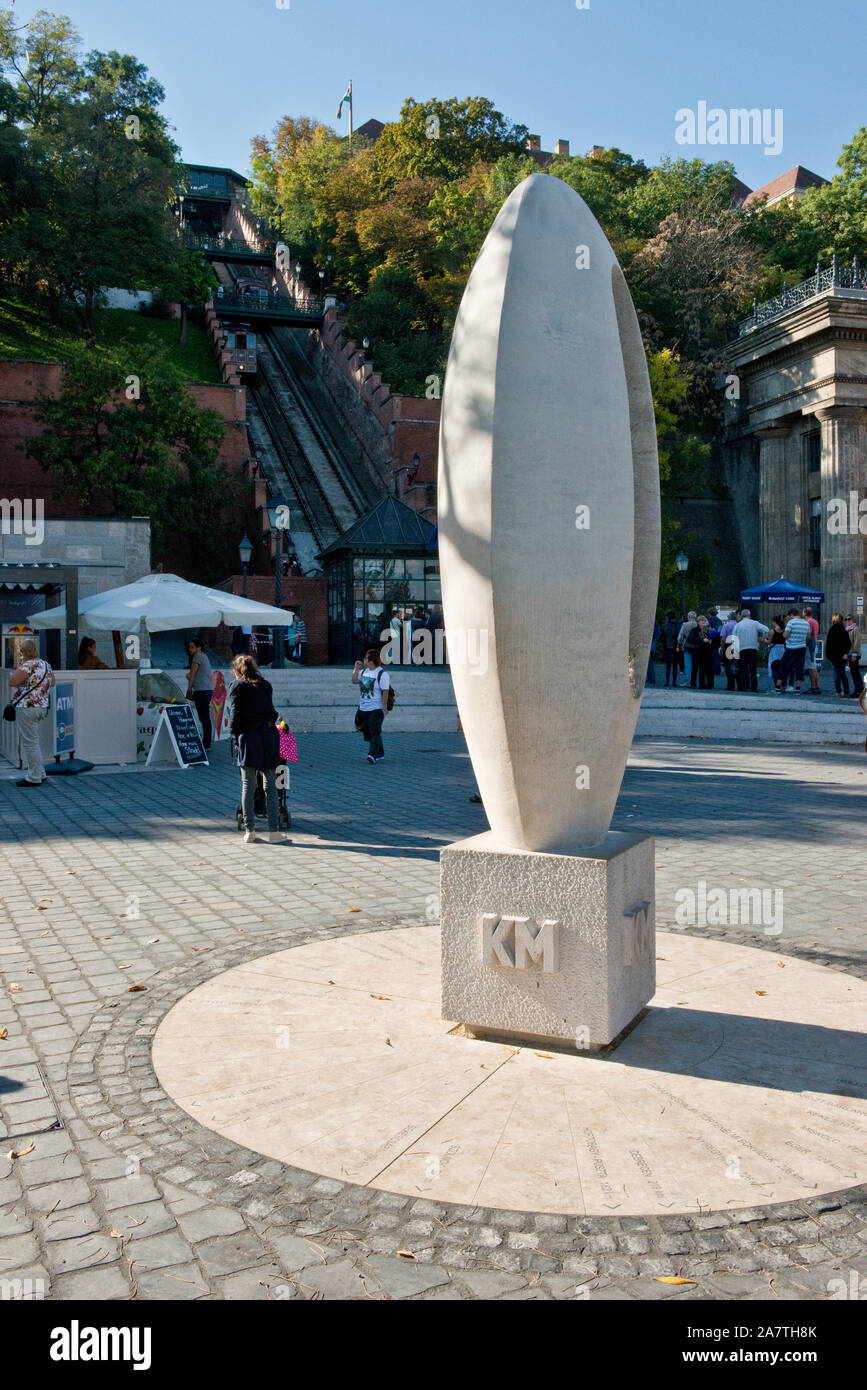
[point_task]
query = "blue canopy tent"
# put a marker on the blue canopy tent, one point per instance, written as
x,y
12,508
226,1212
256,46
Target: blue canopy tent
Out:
x,y
781,591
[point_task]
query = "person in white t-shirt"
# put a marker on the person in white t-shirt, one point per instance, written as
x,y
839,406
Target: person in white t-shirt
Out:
x,y
374,683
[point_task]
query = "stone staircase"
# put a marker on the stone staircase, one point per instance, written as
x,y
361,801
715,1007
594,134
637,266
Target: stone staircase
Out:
x,y
695,714
321,699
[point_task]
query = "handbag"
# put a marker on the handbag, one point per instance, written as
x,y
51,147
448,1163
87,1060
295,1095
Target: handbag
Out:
x,y
9,711
288,746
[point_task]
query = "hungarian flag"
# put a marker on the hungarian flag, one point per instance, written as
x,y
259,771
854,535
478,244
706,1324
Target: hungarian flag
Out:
x,y
347,96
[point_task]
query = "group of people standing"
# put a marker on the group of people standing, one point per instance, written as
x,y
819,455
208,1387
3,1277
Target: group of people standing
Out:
x,y
704,646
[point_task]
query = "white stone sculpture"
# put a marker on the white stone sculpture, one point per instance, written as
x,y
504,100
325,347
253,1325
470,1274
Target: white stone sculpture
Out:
x,y
549,521
549,533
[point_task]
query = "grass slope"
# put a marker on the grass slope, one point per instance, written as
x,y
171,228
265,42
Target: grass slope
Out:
x,y
26,334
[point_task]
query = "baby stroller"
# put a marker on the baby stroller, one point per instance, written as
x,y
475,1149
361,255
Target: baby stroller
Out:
x,y
288,754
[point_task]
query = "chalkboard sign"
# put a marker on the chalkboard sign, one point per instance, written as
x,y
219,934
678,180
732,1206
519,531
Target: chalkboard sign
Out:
x,y
178,734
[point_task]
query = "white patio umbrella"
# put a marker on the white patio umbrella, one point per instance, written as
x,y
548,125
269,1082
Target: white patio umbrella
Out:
x,y
163,603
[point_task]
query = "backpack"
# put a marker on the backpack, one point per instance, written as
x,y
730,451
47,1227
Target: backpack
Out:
x,y
389,694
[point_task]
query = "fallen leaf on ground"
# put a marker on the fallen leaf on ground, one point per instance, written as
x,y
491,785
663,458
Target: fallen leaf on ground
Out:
x,y
19,1153
781,964
407,1254
761,991
4,1032
13,986
329,982
42,909
117,1235
124,967
672,1279
546,1055
379,996
661,957
354,909
389,1043
133,988
153,941
44,933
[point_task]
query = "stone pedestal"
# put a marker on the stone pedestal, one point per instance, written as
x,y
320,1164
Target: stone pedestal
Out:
x,y
552,948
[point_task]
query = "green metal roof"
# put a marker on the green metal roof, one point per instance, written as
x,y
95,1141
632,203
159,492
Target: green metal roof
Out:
x,y
217,169
391,527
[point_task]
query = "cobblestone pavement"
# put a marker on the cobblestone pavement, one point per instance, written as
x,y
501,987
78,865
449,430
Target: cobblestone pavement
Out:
x,y
112,882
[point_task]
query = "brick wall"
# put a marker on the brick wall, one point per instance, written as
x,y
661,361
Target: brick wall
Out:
x,y
394,427
20,476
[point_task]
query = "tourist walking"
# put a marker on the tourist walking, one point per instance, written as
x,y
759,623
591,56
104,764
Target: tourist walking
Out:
x,y
776,655
686,628
200,687
374,683
253,726
748,633
797,634
670,630
854,632
299,645
837,648
31,683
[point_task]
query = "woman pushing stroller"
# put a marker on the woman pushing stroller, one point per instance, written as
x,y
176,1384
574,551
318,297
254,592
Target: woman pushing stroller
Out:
x,y
252,723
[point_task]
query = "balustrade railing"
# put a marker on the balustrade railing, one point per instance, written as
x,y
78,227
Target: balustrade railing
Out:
x,y
832,277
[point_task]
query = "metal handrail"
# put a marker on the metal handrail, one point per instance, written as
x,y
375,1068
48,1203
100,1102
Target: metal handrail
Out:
x,y
267,299
831,277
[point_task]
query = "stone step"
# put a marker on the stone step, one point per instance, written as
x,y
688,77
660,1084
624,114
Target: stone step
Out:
x,y
724,717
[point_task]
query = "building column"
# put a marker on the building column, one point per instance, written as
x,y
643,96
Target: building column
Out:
x,y
844,481
774,519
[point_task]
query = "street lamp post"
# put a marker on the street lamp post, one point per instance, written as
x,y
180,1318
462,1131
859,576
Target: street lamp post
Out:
x,y
245,552
279,517
682,563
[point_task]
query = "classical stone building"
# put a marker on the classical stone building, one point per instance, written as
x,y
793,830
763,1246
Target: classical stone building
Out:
x,y
796,445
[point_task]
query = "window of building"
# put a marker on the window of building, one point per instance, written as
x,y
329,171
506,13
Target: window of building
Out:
x,y
816,533
814,452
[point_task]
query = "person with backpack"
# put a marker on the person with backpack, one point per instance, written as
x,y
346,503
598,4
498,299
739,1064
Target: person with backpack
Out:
x,y
31,683
670,630
375,699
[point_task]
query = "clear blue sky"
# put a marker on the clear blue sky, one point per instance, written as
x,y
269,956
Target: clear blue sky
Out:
x,y
613,74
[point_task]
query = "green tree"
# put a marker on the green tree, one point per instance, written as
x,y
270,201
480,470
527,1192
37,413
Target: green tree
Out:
x,y
837,212
133,442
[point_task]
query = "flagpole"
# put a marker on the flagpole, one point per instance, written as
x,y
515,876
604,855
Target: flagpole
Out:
x,y
350,113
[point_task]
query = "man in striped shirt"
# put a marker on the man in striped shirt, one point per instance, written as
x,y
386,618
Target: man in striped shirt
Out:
x,y
797,635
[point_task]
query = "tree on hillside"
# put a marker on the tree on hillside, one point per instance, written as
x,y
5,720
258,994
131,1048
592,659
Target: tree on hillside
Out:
x,y
444,139
94,168
134,443
837,212
42,55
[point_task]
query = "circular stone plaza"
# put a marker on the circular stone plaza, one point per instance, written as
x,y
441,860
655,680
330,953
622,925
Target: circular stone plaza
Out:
x,y
226,1074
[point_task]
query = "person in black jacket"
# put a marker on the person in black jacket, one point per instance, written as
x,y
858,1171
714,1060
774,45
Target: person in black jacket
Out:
x,y
252,722
670,630
838,644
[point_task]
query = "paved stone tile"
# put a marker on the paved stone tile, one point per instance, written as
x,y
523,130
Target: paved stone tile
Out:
x,y
176,1283
401,1278
264,1284
154,1252
228,1254
211,1221
343,1279
96,1285
82,1252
